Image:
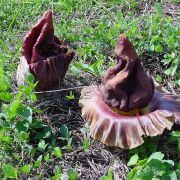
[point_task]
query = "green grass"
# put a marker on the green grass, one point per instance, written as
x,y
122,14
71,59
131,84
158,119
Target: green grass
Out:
x,y
91,28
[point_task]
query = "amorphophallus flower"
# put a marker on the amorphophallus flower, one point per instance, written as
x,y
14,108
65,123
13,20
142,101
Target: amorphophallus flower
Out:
x,y
125,107
44,55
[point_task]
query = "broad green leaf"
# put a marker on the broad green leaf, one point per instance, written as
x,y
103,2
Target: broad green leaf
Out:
x,y
178,173
159,78
47,132
86,144
46,157
132,174
110,174
170,175
156,155
13,107
33,97
42,145
26,169
64,132
9,171
154,39
85,128
22,126
7,139
104,178
142,162
167,71
53,142
69,144
173,55
27,90
7,97
73,174
57,152
37,163
175,134
26,113
179,146
152,168
133,160
24,136
57,172
158,48
168,163
37,124
30,79
173,69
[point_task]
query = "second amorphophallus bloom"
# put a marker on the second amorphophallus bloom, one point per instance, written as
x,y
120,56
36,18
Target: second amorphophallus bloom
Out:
x,y
127,106
44,55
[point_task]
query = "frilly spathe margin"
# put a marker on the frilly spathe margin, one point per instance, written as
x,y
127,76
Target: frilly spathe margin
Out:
x,y
124,131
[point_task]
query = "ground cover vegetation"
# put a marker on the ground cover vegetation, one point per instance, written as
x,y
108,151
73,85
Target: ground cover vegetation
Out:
x,y
44,136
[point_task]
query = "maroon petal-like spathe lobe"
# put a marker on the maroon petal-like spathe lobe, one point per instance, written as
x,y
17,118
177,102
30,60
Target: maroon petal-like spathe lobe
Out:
x,y
39,43
47,57
127,131
49,71
126,86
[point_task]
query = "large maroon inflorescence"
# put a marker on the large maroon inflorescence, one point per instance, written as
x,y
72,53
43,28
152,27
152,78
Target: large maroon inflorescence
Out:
x,y
48,59
125,107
